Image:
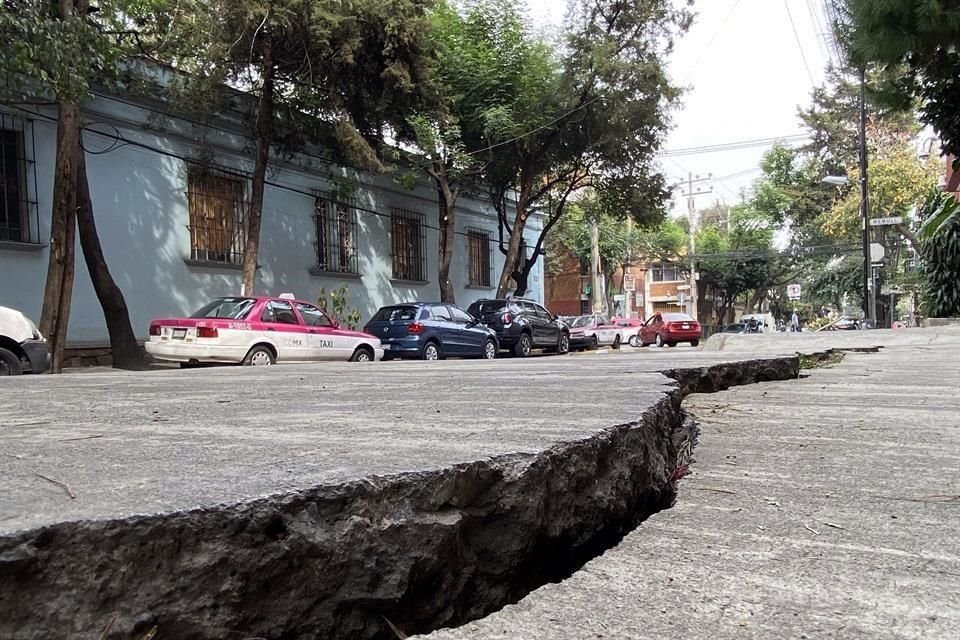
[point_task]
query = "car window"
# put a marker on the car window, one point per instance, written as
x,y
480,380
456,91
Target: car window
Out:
x,y
459,315
440,313
528,309
486,307
602,320
313,317
399,313
543,313
230,308
652,321
280,312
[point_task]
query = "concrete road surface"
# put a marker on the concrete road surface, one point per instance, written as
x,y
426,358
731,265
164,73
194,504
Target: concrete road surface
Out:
x,y
826,507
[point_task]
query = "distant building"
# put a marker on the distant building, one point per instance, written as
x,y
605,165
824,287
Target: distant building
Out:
x,y
567,290
657,287
951,183
668,287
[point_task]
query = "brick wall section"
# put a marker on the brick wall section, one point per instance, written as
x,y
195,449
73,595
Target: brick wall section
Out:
x,y
562,290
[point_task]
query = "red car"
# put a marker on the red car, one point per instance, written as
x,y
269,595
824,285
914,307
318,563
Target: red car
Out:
x,y
669,329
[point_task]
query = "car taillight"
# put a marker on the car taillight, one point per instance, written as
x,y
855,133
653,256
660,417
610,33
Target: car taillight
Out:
x,y
207,332
154,329
414,327
507,317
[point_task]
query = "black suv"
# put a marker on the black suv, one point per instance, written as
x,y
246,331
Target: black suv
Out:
x,y
523,325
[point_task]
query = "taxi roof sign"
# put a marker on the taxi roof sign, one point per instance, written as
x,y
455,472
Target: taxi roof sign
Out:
x,y
287,296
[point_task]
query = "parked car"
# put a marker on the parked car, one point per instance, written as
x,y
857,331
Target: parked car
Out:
x,y
431,331
627,330
737,327
258,331
583,331
523,325
670,329
22,348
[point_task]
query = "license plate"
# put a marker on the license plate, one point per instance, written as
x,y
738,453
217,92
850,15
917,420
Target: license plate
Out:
x,y
686,326
179,334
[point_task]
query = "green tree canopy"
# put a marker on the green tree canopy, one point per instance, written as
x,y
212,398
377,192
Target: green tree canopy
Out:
x,y
596,119
941,257
916,43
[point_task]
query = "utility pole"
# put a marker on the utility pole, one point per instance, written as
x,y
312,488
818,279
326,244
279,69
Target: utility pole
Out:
x,y
691,196
869,299
595,293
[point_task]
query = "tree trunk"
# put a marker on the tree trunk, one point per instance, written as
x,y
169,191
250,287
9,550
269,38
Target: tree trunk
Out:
x,y
58,290
611,309
447,201
702,303
755,300
264,138
905,231
511,264
123,343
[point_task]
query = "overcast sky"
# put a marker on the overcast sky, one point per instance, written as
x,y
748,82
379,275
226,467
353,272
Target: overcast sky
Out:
x,y
746,77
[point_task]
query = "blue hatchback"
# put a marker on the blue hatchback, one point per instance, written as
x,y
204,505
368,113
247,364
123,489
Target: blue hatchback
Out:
x,y
431,331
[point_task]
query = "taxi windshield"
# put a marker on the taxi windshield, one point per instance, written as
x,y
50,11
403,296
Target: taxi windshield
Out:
x,y
232,308
582,321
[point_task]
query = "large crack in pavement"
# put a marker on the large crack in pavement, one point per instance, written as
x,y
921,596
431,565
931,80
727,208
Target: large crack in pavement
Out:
x,y
421,550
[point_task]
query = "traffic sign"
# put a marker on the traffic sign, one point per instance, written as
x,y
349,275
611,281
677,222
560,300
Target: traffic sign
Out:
x,y
629,282
886,222
793,291
877,252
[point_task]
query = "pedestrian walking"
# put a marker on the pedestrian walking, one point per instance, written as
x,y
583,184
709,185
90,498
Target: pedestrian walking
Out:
x,y
795,321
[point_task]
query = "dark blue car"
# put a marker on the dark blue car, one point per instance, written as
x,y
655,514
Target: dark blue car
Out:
x,y
431,331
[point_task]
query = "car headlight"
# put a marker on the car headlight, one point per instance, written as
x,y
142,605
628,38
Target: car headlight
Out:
x,y
35,330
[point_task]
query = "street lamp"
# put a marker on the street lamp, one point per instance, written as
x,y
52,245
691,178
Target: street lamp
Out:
x,y
835,180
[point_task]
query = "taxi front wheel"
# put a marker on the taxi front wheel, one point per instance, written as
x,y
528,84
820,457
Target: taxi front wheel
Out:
x,y
362,354
260,356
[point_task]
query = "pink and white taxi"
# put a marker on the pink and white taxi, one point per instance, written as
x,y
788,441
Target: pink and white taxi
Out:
x,y
258,331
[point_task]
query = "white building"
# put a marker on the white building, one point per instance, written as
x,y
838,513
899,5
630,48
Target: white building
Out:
x,y
170,197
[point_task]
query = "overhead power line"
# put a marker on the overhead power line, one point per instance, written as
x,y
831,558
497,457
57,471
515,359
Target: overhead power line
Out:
x,y
706,49
738,174
733,146
796,35
798,252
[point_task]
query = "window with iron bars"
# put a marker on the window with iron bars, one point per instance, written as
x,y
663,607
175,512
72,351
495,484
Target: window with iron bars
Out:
x,y
218,205
19,216
478,258
408,236
336,236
